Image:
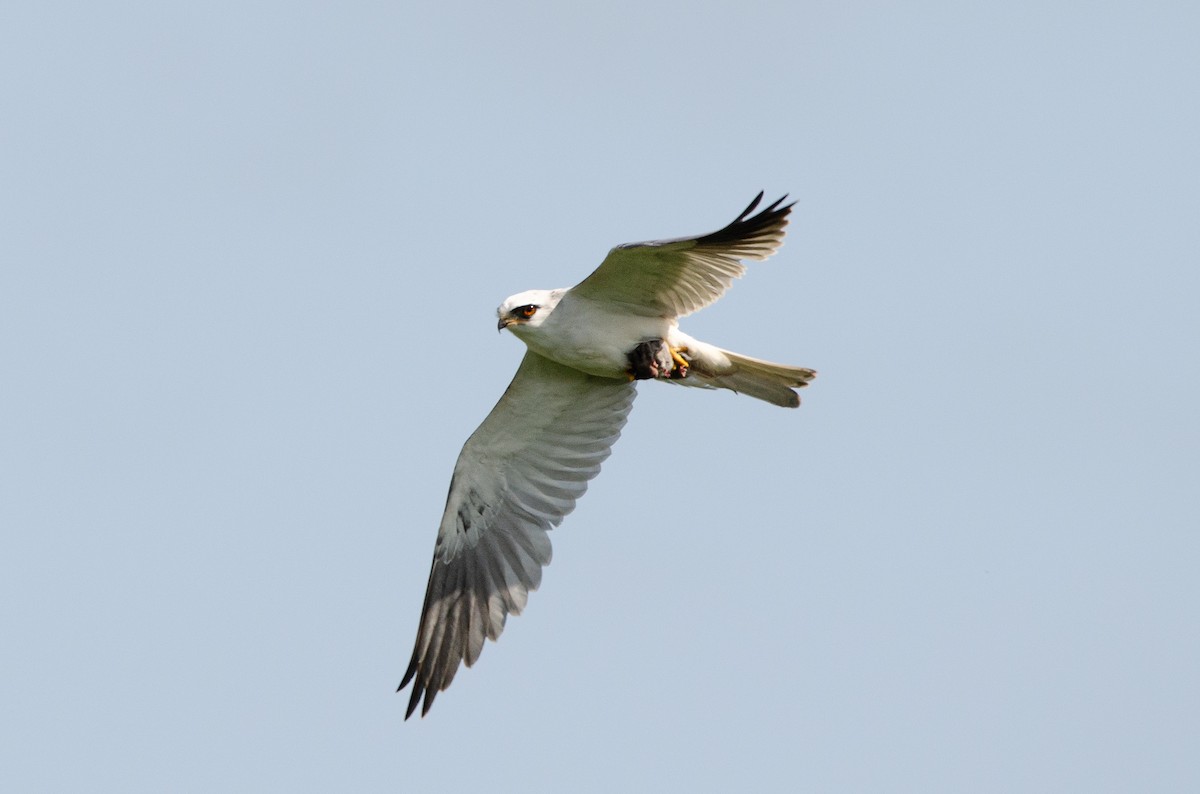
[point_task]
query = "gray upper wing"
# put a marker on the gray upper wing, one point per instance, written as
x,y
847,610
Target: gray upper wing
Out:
x,y
516,478
671,278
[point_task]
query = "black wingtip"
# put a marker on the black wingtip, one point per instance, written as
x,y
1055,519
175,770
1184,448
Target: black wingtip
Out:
x,y
750,207
775,204
420,690
413,699
748,224
415,695
758,200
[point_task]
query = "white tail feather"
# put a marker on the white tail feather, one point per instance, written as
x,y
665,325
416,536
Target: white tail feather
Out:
x,y
714,368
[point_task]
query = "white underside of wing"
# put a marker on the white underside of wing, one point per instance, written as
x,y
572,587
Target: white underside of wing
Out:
x,y
516,478
672,278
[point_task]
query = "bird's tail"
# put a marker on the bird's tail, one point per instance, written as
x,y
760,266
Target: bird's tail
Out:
x,y
714,368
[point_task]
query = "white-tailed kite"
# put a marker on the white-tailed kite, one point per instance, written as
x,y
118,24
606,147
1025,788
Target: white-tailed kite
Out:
x,y
532,457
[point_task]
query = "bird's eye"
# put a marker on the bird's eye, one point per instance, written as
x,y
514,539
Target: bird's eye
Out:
x,y
525,311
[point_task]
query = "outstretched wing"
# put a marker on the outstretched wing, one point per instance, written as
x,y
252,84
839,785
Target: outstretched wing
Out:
x,y
671,278
518,474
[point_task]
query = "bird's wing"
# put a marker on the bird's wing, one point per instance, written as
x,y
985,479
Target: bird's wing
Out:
x,y
671,278
516,477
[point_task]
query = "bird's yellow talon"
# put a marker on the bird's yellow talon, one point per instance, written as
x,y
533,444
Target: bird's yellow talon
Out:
x,y
680,361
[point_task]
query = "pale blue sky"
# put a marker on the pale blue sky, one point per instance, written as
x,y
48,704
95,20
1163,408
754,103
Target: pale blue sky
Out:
x,y
249,258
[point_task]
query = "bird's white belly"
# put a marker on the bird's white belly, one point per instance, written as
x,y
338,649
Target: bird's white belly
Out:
x,y
595,339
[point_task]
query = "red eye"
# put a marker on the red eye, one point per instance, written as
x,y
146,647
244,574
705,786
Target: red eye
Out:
x,y
526,311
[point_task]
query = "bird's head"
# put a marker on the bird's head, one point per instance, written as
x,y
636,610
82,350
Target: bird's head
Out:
x,y
526,311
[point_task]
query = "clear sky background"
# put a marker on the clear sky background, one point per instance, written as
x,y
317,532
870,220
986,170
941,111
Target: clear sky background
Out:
x,y
249,261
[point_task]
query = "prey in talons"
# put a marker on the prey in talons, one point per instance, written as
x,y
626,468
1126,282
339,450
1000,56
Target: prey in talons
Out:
x,y
656,359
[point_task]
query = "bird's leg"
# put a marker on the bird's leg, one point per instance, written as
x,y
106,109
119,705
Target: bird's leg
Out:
x,y
680,370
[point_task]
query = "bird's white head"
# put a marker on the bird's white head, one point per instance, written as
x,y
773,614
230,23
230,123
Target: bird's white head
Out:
x,y
526,311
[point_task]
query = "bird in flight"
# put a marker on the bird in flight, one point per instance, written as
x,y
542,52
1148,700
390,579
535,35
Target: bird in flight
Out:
x,y
524,468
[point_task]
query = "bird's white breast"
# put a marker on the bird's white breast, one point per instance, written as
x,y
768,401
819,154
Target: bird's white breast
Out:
x,y
593,337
